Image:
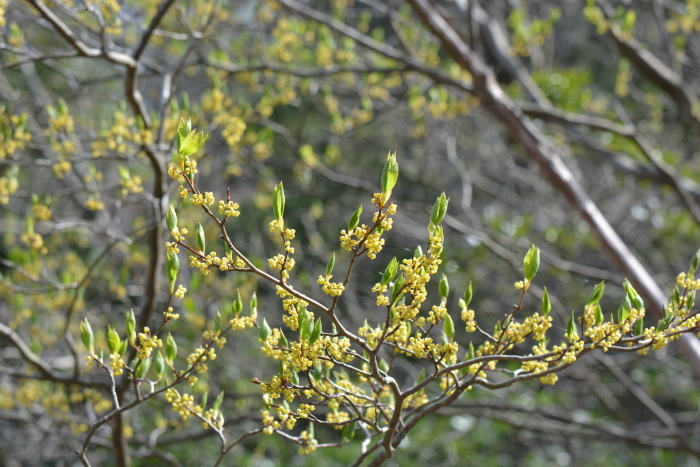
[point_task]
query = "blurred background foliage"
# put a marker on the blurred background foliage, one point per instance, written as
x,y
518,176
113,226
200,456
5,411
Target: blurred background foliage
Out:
x,y
285,98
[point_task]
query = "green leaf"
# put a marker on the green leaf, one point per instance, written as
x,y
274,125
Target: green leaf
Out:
x,y
418,252
546,304
695,262
598,313
201,241
354,220
623,311
295,377
183,129
172,266
471,355
160,365
303,318
390,271
237,305
217,322
265,332
253,303
597,293
690,300
131,326
390,174
278,202
283,340
317,374
192,143
639,327
570,326
531,263
449,327
468,294
143,368
396,288
114,343
439,209
170,349
330,266
663,324
171,218
349,431
219,400
444,287
123,348
87,336
316,332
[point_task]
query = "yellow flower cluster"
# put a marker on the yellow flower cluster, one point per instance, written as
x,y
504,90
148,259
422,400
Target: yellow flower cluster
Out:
x,y
11,137
214,417
94,204
41,212
179,234
131,185
309,445
170,314
229,209
147,343
333,289
116,364
197,358
180,292
182,404
339,419
61,168
8,185
278,262
200,200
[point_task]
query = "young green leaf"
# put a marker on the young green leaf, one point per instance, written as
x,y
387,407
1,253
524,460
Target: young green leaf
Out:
x,y
219,400
546,304
237,305
439,209
390,271
265,332
201,242
330,266
170,349
278,202
131,326
143,368
160,365
468,294
571,326
597,293
172,266
87,336
470,354
444,287
349,431
171,217
390,174
316,332
354,220
623,311
283,340
418,252
531,263
598,313
114,343
449,327
639,326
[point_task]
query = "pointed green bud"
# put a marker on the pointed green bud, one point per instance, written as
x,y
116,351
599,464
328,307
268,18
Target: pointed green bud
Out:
x,y
384,366
278,202
439,209
265,332
546,304
219,400
396,288
295,377
87,336
143,368
160,365
317,374
302,319
131,326
597,293
283,340
663,324
354,220
229,251
571,326
237,305
349,431
201,241
114,343
468,294
690,300
531,263
598,313
694,263
183,129
123,348
172,266
390,175
390,272
316,332
623,311
253,303
418,252
330,266
444,287
217,322
170,349
171,218
449,327
639,326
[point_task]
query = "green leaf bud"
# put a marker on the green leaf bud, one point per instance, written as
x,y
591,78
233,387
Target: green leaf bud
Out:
x,y
283,340
571,326
623,311
639,326
390,271
349,431
546,304
171,218
201,241
598,313
439,209
131,326
265,332
468,294
143,368
531,263
114,343
237,305
354,220
278,202
330,266
160,365
172,266
316,332
219,400
597,293
87,336
390,174
444,287
449,327
170,349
